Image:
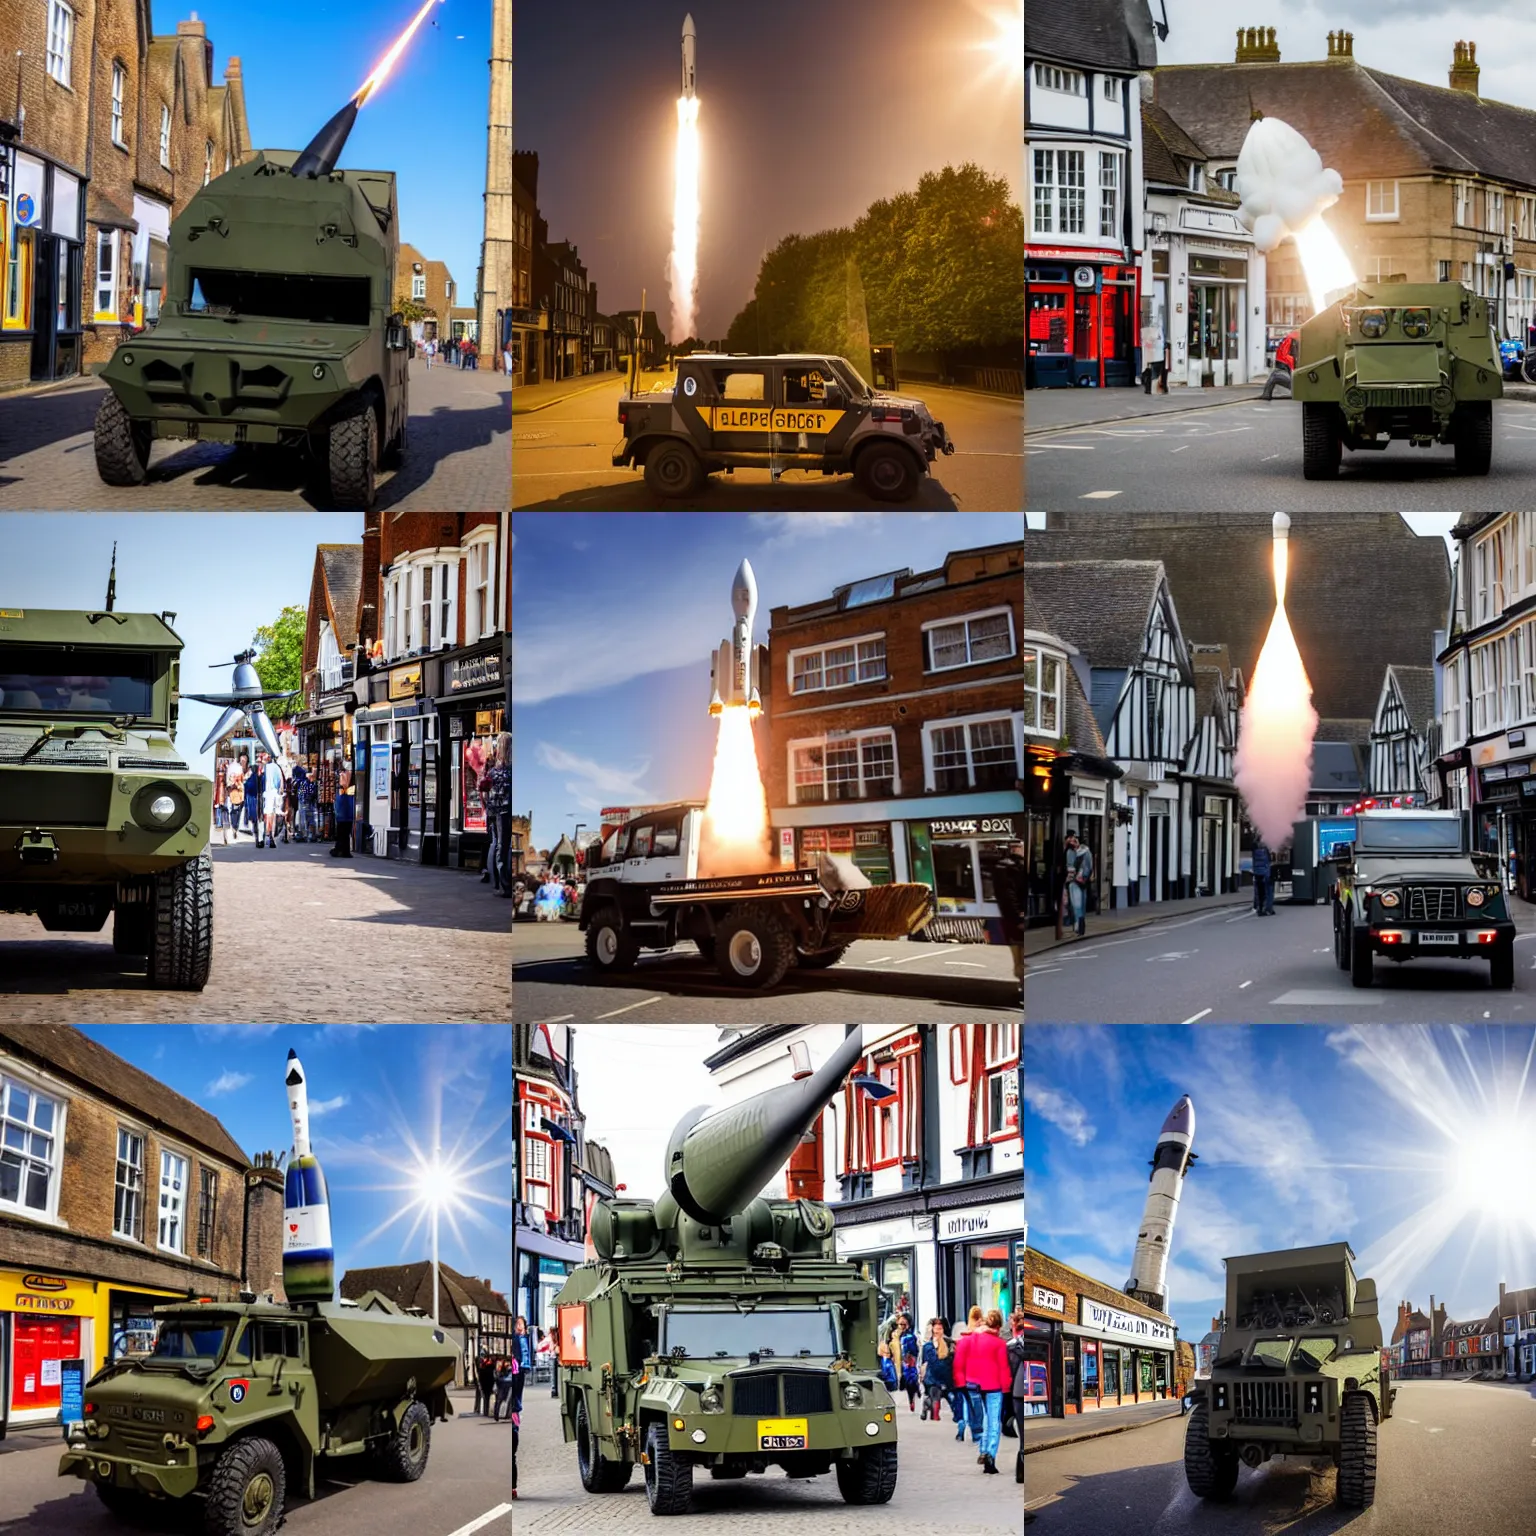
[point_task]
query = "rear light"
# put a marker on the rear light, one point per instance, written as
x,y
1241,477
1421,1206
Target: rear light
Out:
x,y
1390,935
204,1424
1487,936
89,1408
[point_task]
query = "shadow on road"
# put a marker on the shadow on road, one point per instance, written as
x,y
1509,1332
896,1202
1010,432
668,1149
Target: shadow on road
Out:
x,y
35,421
442,433
798,491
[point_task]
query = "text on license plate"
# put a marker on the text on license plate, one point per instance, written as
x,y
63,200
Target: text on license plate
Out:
x,y
781,1434
1439,938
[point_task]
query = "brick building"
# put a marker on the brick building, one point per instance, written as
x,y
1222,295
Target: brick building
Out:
x,y
895,727
117,1195
529,322
107,133
429,283
476,1317
498,254
560,284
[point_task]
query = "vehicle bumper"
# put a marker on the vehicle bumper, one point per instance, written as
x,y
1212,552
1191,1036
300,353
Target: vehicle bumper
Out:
x,y
622,454
1469,941
729,1436
91,1466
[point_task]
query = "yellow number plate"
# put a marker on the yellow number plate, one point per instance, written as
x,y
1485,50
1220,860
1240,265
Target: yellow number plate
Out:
x,y
781,1434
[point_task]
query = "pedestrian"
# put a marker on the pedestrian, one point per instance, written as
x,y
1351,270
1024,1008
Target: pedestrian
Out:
x,y
290,800
887,1367
1263,880
496,796
981,1367
1079,872
303,788
1285,365
1152,369
485,1384
974,1406
517,1416
1016,1360
345,812
506,359
429,347
234,798
252,788
909,1381
522,1358
936,1373
504,1380
1009,877
474,356
271,795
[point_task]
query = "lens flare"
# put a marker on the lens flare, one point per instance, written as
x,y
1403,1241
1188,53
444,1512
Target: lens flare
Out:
x,y
735,835
387,63
684,266
1327,268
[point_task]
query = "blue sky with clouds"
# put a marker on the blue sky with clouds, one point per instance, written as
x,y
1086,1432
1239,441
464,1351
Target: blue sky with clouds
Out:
x,y
1412,1143
615,617
374,1090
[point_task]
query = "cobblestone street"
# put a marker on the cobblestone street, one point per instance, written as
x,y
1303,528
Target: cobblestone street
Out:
x,y
299,937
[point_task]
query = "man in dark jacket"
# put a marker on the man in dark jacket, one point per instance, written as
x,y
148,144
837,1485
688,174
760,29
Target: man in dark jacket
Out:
x,y
1263,881
1009,875
1016,1360
1285,365
485,1384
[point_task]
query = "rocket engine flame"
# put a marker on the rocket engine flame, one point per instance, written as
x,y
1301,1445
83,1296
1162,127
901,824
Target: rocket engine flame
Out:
x,y
387,63
735,835
684,265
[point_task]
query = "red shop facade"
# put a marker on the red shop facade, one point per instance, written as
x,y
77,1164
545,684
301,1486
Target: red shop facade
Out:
x,y
1082,314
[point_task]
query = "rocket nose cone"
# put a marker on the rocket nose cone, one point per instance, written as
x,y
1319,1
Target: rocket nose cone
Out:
x,y
1279,525
688,28
1181,1119
291,1053
743,590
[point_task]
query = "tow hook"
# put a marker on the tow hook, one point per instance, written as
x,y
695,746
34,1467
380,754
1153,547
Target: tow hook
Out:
x,y
37,847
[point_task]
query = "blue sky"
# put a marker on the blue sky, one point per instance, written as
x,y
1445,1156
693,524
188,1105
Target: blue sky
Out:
x,y
1413,1143
373,1089
222,574
615,617
303,59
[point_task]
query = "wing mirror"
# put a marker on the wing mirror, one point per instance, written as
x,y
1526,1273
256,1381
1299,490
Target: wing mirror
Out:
x,y
836,398
397,338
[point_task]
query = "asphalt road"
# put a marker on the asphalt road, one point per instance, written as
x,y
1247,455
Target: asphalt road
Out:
x,y
876,981
1455,1459
1226,965
467,1481
562,459
1248,453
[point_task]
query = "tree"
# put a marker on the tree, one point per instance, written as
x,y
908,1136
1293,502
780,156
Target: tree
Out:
x,y
279,662
413,311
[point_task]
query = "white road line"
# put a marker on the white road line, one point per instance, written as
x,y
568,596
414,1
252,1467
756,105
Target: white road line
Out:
x,y
1267,457
1241,916
1097,495
970,965
1244,984
1179,449
910,958
1068,447
878,960
644,1003
1195,1018
485,1519
1307,997
1051,970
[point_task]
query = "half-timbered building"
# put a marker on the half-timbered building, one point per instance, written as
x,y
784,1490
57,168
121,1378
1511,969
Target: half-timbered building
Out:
x,y
1402,720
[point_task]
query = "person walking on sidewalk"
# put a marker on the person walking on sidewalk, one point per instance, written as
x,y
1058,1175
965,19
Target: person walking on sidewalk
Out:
x,y
516,1416
1016,1360
974,1407
504,1380
981,1367
1285,365
1152,368
346,811
909,1367
1079,869
485,1384
936,1371
1263,880
522,1357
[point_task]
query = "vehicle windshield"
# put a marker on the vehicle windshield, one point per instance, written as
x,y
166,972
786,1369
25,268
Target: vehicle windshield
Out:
x,y
776,1332
1272,1353
851,377
1408,834
1313,1353
278,296
77,680
190,1343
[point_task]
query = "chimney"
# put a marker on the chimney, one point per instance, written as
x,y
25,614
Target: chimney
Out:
x,y
1256,45
1341,45
1464,70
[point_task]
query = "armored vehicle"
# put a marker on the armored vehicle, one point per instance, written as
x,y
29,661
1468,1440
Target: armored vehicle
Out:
x,y
1414,361
1412,886
1299,1371
99,815
785,411
717,1329
277,327
239,1401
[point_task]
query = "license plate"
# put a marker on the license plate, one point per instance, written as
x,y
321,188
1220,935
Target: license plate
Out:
x,y
1439,938
781,1434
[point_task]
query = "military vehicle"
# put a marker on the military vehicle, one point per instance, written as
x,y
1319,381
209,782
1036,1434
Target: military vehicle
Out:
x,y
99,815
1299,1371
278,326
717,1329
1411,886
1410,361
807,411
239,1401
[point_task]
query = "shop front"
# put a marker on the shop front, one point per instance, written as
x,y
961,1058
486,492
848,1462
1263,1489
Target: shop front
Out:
x,y
1082,319
867,844
887,1252
42,244
49,1319
1216,319
977,1260
472,713
956,856
399,809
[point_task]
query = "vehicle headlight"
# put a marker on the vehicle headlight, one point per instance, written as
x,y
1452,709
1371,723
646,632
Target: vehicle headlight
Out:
x,y
1442,398
852,1397
1373,323
319,370
1388,898
871,1429
1416,323
1354,398
160,808
698,1437
1475,897
128,359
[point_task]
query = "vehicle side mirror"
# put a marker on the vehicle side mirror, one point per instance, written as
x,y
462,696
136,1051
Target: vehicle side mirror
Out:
x,y
836,399
396,337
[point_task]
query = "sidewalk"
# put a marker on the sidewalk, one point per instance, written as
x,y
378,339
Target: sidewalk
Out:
x,y
1056,410
1120,919
1046,1434
537,397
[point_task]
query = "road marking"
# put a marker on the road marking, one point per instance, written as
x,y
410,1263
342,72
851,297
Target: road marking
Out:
x,y
1179,449
1065,447
1172,954
644,1003
970,965
1033,970
485,1519
1240,916
911,958
1097,495
1195,1018
878,960
1244,984
1267,457
1305,997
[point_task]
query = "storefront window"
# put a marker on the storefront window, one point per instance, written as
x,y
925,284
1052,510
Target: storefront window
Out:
x,y
987,1272
1090,1369
1146,1373
18,282
954,872
1111,1373
1049,332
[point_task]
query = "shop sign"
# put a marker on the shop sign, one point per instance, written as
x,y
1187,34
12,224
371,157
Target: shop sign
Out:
x,y
405,682
1052,1301
470,672
1116,1324
978,1221
786,847
44,1283
977,826
29,1301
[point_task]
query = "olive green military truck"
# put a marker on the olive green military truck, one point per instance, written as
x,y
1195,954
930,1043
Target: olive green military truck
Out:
x,y
99,815
1299,1371
1414,362
243,1405
716,1330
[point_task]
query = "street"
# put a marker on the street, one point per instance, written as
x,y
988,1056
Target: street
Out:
x,y
297,936
564,461
1454,1460
457,456
1226,965
877,980
1247,453
939,1489
463,1489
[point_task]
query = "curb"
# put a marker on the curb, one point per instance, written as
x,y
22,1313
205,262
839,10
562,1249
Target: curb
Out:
x,y
1112,421
529,410
1238,900
1099,1434
960,389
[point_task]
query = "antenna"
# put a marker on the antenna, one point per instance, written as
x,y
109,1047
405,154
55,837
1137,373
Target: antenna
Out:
x,y
112,579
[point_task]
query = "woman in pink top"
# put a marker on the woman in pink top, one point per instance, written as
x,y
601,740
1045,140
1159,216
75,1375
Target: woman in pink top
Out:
x,y
981,1369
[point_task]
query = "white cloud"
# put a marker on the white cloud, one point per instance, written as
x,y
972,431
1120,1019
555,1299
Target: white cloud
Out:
x,y
227,1082
325,1106
785,528
1061,1109
593,784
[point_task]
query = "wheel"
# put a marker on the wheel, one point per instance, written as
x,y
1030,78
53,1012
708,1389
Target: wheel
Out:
x,y
402,1456
1210,1471
1501,967
668,1480
869,1477
1362,963
1472,435
246,1491
122,444
610,946
886,472
822,959
673,469
354,455
753,947
1357,1453
133,928
598,1474
1340,949
181,942
1321,445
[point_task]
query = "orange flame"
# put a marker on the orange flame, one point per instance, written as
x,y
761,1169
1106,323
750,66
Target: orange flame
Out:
x,y
735,836
387,63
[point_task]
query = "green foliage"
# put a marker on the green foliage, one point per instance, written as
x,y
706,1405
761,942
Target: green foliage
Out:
x,y
279,660
412,310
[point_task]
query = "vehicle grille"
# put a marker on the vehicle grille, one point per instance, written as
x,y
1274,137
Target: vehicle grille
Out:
x,y
1264,1402
1432,904
164,764
66,753
804,1392
45,798
755,1396
1396,397
143,1440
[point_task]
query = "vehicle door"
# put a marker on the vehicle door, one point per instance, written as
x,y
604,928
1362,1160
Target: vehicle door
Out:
x,y
803,417
736,406
655,851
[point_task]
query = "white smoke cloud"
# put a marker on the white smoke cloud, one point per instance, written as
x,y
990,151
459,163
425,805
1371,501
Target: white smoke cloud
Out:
x,y
1282,182
1274,740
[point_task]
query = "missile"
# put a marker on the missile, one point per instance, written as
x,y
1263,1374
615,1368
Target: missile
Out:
x,y
309,1260
1279,527
319,156
1280,544
1170,1162
690,45
735,671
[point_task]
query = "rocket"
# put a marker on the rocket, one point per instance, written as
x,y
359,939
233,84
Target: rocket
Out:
x,y
690,45
244,701
1280,546
309,1261
735,670
1170,1162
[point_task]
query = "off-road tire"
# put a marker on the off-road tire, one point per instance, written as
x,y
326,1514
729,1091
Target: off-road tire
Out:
x,y
133,928
668,1479
226,1510
822,959
1362,962
1472,436
870,1477
1357,1453
353,451
1340,947
1501,967
887,473
610,945
122,444
775,947
181,938
394,450
672,470
402,1456
1210,1471
1322,445
598,1474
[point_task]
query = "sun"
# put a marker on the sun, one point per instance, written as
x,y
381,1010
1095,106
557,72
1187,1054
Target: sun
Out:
x,y
1006,45
1490,1162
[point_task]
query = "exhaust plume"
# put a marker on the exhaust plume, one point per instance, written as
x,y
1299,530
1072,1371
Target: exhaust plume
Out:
x,y
684,265
734,840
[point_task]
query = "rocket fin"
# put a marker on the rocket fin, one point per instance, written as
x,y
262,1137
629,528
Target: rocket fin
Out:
x,y
264,732
227,719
